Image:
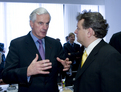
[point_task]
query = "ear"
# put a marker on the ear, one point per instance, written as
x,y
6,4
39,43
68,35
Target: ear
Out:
x,y
31,24
90,32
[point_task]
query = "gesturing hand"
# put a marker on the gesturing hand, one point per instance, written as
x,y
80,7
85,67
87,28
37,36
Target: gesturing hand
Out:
x,y
66,63
39,67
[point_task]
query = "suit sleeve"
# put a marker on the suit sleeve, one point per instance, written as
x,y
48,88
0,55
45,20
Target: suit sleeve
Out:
x,y
12,72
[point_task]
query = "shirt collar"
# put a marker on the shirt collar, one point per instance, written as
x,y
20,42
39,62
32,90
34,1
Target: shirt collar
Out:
x,y
71,43
35,38
92,45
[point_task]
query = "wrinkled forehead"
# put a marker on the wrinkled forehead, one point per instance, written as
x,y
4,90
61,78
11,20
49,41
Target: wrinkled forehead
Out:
x,y
43,17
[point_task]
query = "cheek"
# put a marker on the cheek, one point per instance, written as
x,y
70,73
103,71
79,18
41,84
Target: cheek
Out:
x,y
80,35
38,28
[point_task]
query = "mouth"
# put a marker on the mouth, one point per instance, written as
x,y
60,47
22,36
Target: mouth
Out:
x,y
43,32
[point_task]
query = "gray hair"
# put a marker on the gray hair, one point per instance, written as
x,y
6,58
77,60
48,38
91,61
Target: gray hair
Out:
x,y
38,11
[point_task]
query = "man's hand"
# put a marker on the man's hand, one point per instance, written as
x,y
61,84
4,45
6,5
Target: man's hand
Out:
x,y
66,63
39,67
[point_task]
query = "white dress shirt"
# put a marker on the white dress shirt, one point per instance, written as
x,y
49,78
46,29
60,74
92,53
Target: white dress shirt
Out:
x,y
91,46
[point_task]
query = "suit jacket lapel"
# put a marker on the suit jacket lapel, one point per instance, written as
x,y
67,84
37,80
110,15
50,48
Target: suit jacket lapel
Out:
x,y
48,48
90,59
30,45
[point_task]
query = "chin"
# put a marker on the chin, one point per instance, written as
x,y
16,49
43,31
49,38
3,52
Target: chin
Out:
x,y
43,36
78,41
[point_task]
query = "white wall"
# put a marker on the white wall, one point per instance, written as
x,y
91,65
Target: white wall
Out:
x,y
113,16
112,11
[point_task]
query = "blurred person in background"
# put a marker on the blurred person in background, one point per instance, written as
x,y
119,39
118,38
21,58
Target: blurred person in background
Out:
x,y
74,52
2,60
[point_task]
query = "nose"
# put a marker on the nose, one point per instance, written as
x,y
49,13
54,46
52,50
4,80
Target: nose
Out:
x,y
75,31
45,26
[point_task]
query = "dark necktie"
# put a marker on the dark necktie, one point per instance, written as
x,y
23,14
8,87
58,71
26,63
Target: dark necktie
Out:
x,y
41,49
72,45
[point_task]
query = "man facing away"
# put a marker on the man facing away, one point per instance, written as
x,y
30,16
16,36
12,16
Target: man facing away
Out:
x,y
26,65
101,69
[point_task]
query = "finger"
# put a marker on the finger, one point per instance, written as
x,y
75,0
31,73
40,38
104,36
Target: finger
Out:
x,y
45,68
60,60
67,66
36,58
67,59
65,69
44,61
45,65
68,62
44,72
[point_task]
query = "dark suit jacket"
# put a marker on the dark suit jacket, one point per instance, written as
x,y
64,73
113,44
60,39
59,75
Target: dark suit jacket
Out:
x,y
115,41
21,53
76,53
101,71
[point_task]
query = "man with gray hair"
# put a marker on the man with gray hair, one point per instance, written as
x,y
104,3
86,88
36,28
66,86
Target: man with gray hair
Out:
x,y
34,60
